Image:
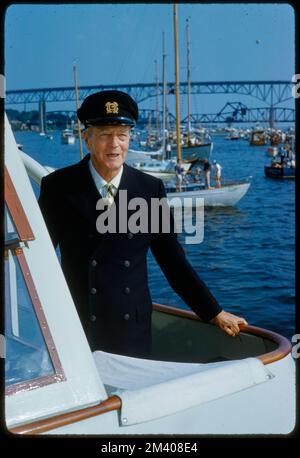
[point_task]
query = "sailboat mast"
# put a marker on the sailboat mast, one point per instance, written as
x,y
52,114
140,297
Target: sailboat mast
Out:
x,y
157,93
177,83
149,123
188,78
78,122
164,100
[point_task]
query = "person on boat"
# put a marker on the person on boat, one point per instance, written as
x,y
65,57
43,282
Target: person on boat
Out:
x,y
197,176
168,150
218,173
282,158
207,169
275,164
107,271
179,170
274,152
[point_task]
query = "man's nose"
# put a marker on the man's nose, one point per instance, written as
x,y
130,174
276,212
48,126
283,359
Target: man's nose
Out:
x,y
114,141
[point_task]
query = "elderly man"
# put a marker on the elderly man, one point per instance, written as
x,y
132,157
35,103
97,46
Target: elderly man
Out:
x,y
107,272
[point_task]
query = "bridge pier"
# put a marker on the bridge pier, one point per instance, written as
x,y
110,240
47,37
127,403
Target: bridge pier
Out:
x,y
42,116
272,118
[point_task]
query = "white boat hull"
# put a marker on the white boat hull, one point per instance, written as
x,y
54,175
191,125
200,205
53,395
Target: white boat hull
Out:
x,y
68,140
226,196
267,408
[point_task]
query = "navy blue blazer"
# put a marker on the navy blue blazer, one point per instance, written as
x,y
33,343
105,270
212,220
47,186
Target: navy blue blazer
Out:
x,y
107,273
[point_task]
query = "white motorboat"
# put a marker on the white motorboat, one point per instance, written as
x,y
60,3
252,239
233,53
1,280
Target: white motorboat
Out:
x,y
198,380
67,137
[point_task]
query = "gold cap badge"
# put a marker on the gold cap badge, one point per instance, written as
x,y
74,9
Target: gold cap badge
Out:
x,y
112,107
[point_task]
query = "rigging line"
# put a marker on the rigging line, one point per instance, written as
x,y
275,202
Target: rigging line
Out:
x,y
131,47
151,56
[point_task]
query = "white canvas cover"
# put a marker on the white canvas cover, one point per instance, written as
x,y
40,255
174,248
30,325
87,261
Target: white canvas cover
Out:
x,y
151,389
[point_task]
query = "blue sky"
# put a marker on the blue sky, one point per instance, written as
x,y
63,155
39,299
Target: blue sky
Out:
x,y
118,43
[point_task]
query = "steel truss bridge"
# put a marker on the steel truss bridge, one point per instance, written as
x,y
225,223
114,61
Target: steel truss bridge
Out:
x,y
271,93
229,114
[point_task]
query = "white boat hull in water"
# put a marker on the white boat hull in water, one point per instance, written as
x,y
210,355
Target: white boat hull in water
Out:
x,y
199,380
67,137
225,196
68,140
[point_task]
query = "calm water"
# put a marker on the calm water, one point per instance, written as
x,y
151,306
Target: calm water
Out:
x,y
247,255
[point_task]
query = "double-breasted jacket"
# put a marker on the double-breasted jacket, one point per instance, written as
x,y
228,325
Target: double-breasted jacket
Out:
x,y
107,273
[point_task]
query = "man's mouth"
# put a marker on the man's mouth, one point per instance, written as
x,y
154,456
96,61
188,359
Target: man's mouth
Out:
x,y
112,155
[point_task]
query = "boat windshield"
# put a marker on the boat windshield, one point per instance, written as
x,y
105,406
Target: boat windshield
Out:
x,y
27,356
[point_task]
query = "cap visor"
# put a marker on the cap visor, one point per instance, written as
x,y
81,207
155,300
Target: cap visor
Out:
x,y
111,121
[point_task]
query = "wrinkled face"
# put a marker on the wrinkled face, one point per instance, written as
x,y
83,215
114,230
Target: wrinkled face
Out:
x,y
108,146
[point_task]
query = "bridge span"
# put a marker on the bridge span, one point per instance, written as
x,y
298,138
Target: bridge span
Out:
x,y
271,93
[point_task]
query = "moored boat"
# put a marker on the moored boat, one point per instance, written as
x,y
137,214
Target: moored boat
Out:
x,y
227,195
257,137
280,172
68,137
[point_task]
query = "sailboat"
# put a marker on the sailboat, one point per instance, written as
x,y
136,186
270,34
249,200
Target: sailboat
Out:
x,y
229,194
152,162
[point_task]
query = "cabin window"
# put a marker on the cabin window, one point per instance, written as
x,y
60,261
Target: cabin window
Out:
x,y
31,359
27,356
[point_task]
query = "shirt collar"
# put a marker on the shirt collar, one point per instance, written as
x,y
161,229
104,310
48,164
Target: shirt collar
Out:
x,y
99,180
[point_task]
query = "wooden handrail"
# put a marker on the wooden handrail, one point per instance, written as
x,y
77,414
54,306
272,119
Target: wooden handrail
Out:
x,y
284,345
16,209
42,426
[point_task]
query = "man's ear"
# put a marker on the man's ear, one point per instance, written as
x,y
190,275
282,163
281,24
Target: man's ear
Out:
x,y
86,138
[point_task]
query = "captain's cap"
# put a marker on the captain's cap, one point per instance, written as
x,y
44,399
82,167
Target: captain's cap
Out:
x,y
107,108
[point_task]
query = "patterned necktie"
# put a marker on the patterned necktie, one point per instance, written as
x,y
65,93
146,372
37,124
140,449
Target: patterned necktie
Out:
x,y
110,194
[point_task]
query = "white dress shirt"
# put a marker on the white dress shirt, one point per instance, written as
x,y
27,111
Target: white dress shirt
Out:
x,y
100,182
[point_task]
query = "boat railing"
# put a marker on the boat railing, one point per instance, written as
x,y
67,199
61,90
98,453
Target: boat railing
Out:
x,y
35,170
226,182
283,345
